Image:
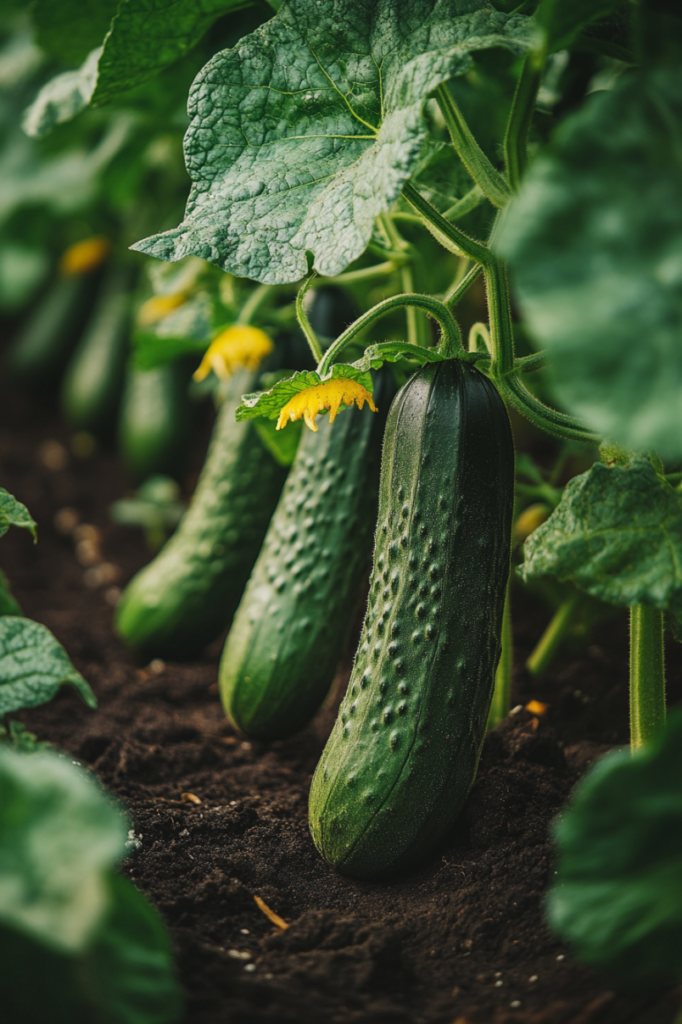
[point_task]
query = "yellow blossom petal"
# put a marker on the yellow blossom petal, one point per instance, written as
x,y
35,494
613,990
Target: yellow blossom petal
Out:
x,y
329,395
158,307
237,347
84,256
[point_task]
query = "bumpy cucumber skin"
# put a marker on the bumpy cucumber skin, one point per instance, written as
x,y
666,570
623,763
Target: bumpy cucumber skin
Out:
x,y
41,349
154,422
293,622
183,599
403,753
91,390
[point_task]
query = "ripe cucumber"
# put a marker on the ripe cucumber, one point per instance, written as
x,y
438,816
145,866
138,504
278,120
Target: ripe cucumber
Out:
x,y
183,599
93,382
41,349
294,618
154,422
403,753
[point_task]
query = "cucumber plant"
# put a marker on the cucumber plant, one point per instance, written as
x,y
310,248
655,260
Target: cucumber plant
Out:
x,y
348,145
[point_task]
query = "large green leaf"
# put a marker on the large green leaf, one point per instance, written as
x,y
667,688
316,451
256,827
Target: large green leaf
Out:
x,y
617,534
145,37
59,837
13,513
307,130
595,245
69,29
33,665
618,887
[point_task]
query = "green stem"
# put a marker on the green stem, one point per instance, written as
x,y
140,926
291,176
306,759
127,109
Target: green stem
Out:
x,y
647,674
481,331
501,703
458,289
520,117
489,180
451,339
449,236
540,658
558,424
255,301
365,274
304,322
466,204
499,313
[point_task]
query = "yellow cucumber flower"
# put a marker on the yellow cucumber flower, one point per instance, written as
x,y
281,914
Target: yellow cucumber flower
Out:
x,y
158,307
84,256
239,346
329,395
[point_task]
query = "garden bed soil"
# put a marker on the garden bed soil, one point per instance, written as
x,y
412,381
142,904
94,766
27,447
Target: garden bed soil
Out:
x,y
220,820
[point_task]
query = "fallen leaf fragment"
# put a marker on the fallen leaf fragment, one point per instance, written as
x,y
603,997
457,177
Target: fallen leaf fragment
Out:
x,y
189,798
536,707
270,914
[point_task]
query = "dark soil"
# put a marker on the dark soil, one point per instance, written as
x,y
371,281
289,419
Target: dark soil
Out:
x,y
221,820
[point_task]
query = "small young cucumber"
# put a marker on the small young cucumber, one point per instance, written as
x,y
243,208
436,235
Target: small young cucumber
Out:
x,y
403,753
294,618
183,599
154,421
41,349
93,381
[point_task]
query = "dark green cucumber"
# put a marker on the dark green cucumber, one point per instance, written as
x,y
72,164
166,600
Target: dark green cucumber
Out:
x,y
403,753
154,421
40,351
184,598
294,618
91,390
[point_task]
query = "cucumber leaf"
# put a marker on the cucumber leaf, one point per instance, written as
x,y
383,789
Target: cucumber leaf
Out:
x,y
33,665
13,513
618,887
307,130
594,241
145,37
617,534
59,837
69,29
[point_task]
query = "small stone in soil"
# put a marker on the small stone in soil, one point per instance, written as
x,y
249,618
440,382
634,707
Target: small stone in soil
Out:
x,y
533,977
243,931
250,967
157,666
561,957
516,1004
499,984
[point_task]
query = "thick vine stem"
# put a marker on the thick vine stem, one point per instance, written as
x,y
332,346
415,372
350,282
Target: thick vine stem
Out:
x,y
499,313
558,424
451,340
303,321
488,179
520,117
647,674
452,297
501,702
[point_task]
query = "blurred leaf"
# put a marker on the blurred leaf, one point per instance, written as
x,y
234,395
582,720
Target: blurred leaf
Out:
x,y
186,331
562,21
8,605
282,444
13,513
62,97
33,665
594,241
22,270
617,534
307,130
59,837
617,895
70,29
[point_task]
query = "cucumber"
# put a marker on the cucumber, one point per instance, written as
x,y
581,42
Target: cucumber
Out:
x,y
294,618
154,421
184,598
403,753
93,381
40,351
